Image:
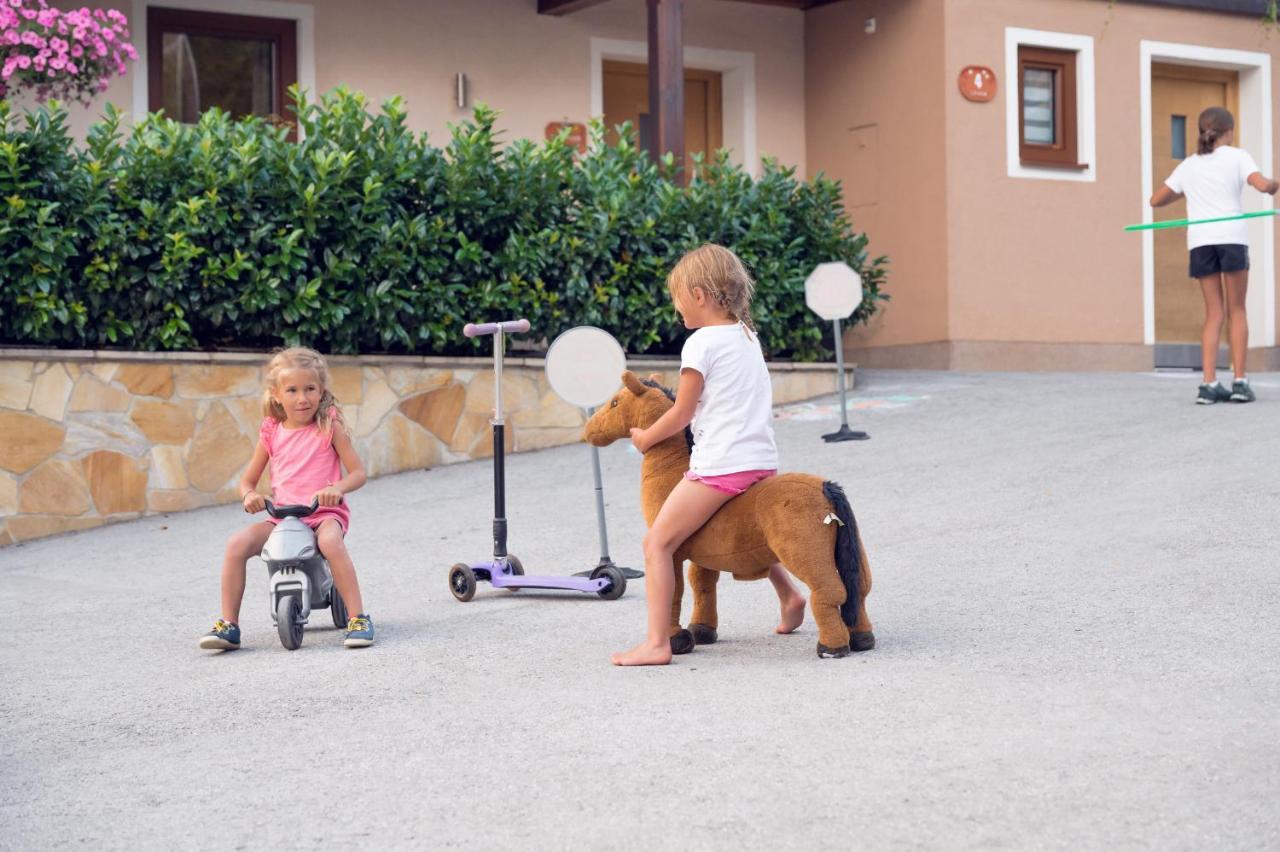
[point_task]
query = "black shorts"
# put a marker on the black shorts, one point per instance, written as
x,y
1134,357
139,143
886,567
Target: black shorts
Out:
x,y
1210,260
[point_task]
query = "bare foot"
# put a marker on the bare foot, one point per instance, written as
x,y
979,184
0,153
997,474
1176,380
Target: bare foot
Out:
x,y
645,654
792,615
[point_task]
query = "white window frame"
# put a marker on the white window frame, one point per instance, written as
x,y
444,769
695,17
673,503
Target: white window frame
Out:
x,y
737,85
1086,120
302,14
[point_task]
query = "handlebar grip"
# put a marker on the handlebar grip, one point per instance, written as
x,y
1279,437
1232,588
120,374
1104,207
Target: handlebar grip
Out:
x,y
519,326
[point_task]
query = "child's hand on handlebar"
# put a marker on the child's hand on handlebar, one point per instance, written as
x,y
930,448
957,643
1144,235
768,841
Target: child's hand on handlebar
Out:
x,y
254,502
328,496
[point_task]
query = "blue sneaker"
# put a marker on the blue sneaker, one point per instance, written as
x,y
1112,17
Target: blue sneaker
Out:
x,y
1211,394
359,632
224,636
1241,392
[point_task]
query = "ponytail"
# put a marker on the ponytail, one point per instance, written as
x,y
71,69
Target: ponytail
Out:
x,y
1214,123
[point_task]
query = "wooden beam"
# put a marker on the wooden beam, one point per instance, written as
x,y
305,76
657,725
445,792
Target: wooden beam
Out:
x,y
564,7
666,80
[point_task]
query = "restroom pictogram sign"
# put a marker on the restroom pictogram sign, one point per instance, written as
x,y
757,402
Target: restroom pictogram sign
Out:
x,y
977,83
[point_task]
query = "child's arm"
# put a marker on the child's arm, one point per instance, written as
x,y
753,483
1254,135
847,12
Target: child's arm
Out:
x,y
1263,184
249,496
680,415
1164,195
332,495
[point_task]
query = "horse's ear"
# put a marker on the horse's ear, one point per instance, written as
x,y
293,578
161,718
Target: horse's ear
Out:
x,y
633,384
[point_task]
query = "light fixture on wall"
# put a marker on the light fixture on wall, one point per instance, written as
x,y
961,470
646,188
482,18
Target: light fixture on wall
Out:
x,y
460,89
869,26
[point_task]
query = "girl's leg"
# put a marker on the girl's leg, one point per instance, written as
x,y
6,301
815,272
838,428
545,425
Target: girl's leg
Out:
x,y
1237,289
329,537
689,505
240,548
1211,287
789,597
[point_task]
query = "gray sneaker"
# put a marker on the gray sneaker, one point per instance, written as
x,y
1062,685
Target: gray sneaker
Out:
x,y
1209,394
1241,392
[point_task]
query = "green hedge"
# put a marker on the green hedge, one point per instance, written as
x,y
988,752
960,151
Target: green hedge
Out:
x,y
365,238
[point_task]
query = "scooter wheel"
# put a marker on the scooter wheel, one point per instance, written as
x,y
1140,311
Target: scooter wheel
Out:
x,y
462,582
617,582
289,622
338,609
517,570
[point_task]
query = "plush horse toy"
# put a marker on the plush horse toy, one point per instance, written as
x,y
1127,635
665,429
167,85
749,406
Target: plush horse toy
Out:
x,y
794,518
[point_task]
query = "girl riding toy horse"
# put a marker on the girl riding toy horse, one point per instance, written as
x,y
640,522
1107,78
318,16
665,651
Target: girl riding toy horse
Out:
x,y
794,518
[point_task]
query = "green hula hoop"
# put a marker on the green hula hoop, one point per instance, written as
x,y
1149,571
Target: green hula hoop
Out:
x,y
1182,223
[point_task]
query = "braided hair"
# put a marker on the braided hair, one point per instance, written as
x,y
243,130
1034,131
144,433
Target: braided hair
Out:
x,y
1214,123
720,274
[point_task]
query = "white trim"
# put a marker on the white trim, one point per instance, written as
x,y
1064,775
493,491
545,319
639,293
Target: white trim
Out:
x,y
1086,122
738,89
303,14
1255,122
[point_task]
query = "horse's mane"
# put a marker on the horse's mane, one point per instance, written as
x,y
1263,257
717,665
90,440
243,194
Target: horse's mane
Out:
x,y
671,395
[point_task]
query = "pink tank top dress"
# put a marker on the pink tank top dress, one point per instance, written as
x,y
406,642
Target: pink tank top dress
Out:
x,y
302,462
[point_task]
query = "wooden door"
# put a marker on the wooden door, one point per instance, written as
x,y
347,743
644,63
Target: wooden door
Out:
x,y
1178,95
626,98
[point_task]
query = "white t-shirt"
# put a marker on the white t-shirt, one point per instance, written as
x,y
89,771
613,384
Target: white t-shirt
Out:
x,y
1213,184
733,423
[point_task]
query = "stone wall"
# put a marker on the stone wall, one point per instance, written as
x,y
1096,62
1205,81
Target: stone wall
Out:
x,y
89,438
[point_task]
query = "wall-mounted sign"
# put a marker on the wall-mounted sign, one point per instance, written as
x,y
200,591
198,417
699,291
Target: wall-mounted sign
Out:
x,y
978,83
577,137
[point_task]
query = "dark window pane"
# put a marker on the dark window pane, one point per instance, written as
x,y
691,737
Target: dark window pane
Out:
x,y
1038,91
1178,133
200,72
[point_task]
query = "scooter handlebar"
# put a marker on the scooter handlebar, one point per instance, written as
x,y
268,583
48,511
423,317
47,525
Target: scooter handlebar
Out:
x,y
294,511
519,326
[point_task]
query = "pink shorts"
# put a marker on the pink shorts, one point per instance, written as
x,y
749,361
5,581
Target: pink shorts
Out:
x,y
731,483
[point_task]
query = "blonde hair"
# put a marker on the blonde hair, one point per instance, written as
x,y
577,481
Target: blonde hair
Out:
x,y
301,358
720,274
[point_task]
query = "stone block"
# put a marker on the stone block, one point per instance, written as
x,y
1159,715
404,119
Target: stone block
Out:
x,y
218,449
163,422
471,425
98,431
551,411
28,440
410,380
27,527
399,445
93,394
8,495
436,410
379,398
51,392
168,470
347,384
518,392
147,379
5,536
217,381
177,501
16,381
55,487
247,410
117,482
106,370
540,439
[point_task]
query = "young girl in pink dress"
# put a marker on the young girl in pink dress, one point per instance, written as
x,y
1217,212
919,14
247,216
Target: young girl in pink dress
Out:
x,y
306,443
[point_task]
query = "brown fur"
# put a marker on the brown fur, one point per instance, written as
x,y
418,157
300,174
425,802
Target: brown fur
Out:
x,y
779,519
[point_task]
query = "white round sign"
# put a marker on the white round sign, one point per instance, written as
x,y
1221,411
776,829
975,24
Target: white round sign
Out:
x,y
833,290
584,366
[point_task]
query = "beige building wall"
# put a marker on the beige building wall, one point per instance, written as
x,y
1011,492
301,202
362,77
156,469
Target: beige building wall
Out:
x,y
533,68
875,119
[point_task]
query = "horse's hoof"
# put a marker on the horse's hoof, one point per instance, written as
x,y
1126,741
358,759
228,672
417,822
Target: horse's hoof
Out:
x,y
703,634
864,641
682,642
825,651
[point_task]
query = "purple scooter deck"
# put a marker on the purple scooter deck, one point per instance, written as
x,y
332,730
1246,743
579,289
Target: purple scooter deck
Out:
x,y
499,579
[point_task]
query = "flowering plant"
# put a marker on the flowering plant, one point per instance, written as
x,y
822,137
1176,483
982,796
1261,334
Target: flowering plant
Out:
x,y
61,54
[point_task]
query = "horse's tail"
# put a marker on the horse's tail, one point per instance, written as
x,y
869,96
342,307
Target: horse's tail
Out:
x,y
848,553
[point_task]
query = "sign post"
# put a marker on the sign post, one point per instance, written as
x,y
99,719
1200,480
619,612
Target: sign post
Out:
x,y
584,368
833,291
